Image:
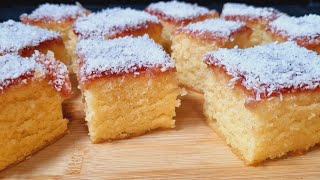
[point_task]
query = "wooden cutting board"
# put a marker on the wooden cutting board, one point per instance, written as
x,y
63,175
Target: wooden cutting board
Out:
x,y
191,150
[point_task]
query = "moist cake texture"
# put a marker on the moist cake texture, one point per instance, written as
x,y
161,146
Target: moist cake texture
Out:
x,y
174,14
191,42
256,18
129,87
268,108
28,121
304,30
16,37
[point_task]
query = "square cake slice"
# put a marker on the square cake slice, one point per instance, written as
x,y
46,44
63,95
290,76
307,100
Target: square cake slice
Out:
x,y
191,42
16,37
55,17
114,23
174,14
129,87
31,93
304,30
264,101
257,18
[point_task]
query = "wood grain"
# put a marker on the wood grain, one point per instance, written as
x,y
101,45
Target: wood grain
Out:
x,y
190,151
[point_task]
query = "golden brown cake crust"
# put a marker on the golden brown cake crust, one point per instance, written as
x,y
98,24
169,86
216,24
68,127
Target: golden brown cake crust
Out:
x,y
180,13
303,30
218,37
107,24
250,14
99,58
142,72
211,14
54,13
19,70
253,104
152,29
267,86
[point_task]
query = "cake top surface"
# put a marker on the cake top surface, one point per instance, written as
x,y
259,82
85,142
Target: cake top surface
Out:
x,y
248,12
112,21
269,69
122,55
216,27
56,12
297,27
15,69
15,36
176,10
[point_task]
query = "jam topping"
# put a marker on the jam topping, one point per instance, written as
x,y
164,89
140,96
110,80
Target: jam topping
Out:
x,y
176,11
243,12
15,69
305,28
120,56
112,21
213,28
270,69
55,12
15,36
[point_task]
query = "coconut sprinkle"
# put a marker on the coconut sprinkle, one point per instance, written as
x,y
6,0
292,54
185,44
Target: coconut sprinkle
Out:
x,y
216,27
112,21
15,69
56,12
269,69
307,26
250,12
177,10
15,36
122,55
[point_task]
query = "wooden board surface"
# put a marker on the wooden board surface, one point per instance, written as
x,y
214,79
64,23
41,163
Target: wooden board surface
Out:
x,y
191,150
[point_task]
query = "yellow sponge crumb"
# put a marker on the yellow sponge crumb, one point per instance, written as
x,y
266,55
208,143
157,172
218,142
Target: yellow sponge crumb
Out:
x,y
125,106
30,118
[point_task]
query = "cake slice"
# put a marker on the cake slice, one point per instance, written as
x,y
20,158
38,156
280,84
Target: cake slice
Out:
x,y
31,93
257,18
113,23
118,22
264,101
191,42
304,30
174,14
56,17
16,37
129,87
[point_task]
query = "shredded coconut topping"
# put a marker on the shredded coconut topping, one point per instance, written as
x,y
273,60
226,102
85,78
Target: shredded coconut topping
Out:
x,y
112,21
251,12
217,27
297,27
56,12
121,55
178,10
15,36
15,69
269,69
